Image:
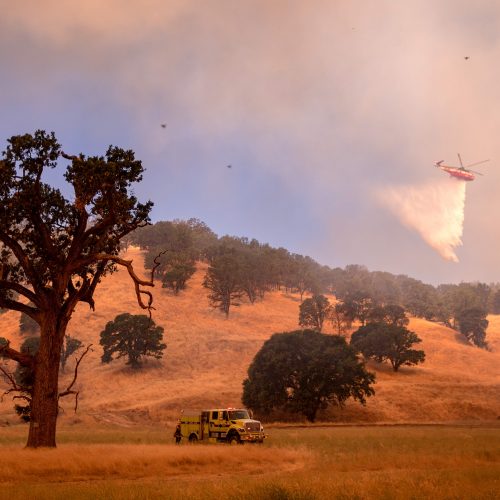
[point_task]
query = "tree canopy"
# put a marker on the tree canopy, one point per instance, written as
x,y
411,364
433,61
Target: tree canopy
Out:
x,y
388,341
223,281
314,311
472,324
391,314
304,371
134,336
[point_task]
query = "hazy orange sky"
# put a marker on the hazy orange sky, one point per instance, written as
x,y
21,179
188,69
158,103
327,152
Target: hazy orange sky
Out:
x,y
317,106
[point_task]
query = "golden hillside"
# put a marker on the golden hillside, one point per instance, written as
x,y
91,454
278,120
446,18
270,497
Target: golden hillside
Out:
x,y
207,358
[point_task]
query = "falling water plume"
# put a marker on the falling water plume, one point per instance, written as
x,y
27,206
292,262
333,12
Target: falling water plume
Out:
x,y
434,210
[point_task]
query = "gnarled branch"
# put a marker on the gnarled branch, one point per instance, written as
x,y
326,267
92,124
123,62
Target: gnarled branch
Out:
x,y
69,389
15,387
138,282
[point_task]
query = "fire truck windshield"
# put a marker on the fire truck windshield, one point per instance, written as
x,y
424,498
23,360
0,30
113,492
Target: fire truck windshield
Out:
x,y
238,414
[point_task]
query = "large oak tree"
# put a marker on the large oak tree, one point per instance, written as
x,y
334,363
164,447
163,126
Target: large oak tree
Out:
x,y
54,250
305,371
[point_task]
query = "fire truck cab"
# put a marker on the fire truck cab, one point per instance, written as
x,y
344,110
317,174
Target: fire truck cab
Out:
x,y
229,425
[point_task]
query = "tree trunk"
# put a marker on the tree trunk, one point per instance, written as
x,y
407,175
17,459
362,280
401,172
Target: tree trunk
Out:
x,y
44,403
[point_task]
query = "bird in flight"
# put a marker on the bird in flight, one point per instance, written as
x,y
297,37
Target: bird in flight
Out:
x,y
466,57
163,125
229,166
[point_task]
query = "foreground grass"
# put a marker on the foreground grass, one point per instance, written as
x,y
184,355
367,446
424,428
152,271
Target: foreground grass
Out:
x,y
295,463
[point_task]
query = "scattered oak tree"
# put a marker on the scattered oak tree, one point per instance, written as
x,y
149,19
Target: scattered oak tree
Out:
x,y
302,275
223,281
134,336
314,311
54,251
472,324
304,371
387,341
340,318
179,267
358,305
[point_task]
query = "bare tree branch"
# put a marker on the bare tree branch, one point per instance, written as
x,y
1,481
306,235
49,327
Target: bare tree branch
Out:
x,y
69,389
70,157
138,282
15,387
156,263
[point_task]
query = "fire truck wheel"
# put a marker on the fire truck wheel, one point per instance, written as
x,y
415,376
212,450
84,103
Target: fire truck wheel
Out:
x,y
193,438
234,439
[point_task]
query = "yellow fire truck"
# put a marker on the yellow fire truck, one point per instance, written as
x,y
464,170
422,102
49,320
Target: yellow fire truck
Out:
x,y
228,425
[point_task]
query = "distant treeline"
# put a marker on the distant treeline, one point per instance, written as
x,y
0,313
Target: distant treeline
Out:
x,y
248,268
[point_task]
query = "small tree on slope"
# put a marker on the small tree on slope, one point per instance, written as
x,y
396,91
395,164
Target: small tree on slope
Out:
x,y
472,324
314,311
133,336
223,281
383,341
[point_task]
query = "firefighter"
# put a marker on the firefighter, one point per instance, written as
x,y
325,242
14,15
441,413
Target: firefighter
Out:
x,y
178,434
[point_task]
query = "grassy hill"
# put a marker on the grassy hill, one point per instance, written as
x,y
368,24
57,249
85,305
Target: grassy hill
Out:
x,y
207,358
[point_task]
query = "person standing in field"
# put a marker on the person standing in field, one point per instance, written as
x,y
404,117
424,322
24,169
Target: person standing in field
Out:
x,y
178,434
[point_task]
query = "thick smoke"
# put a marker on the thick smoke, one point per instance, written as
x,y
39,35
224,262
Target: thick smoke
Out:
x,y
434,210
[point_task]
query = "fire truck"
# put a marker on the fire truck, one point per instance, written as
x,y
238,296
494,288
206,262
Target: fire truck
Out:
x,y
227,425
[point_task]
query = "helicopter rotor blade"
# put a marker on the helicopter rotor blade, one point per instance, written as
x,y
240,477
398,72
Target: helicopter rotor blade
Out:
x,y
477,163
460,160
475,171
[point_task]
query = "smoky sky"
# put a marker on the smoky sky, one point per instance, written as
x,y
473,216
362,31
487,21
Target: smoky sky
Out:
x,y
317,106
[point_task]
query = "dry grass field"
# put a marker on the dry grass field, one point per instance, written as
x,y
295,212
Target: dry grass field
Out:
x,y
207,358
313,462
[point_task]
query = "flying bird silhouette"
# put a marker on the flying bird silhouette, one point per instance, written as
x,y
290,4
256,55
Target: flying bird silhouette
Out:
x,y
163,125
466,57
229,166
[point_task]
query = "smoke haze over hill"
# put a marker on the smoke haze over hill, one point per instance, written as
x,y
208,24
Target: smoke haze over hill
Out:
x,y
312,103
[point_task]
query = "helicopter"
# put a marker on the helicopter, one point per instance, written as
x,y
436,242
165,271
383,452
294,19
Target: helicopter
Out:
x,y
462,173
